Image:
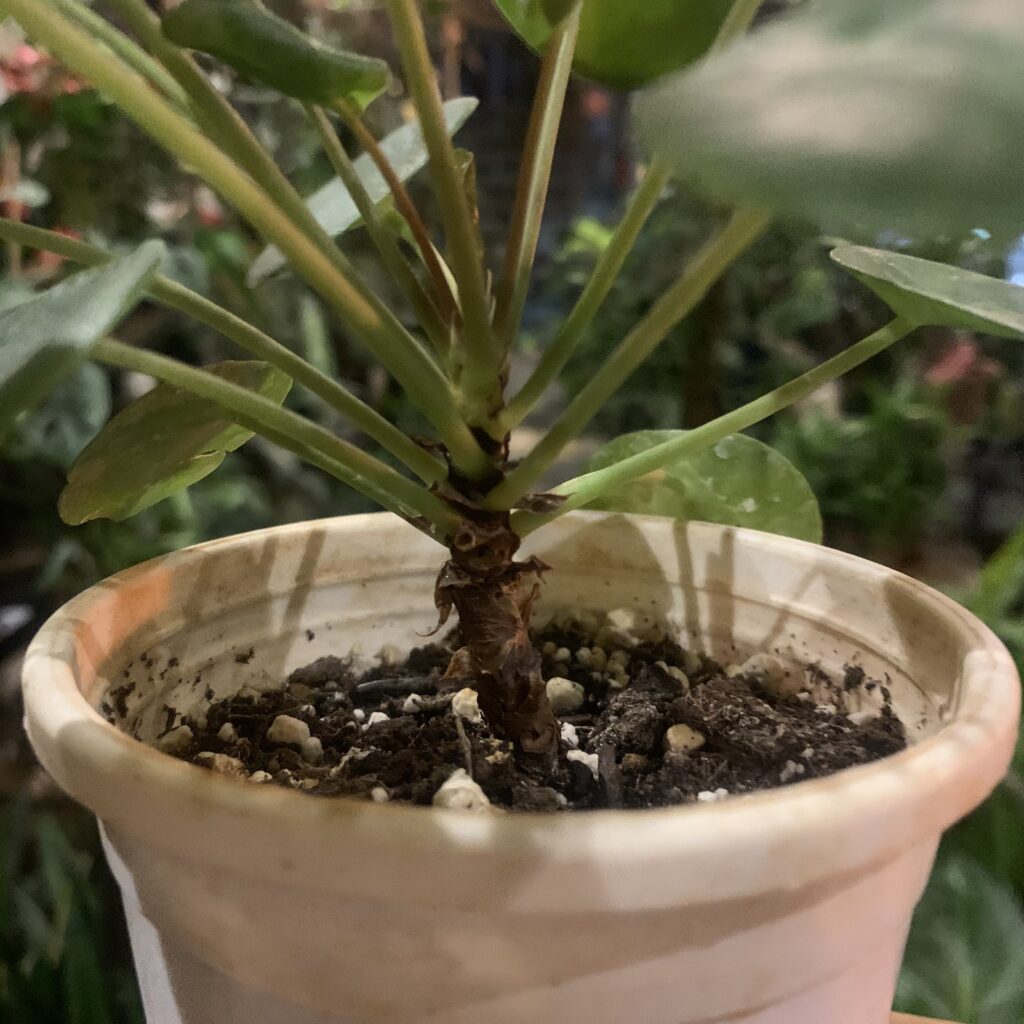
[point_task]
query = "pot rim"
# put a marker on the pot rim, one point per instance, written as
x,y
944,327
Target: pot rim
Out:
x,y
101,765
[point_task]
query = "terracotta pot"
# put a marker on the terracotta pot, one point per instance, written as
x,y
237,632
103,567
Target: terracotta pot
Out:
x,y
254,904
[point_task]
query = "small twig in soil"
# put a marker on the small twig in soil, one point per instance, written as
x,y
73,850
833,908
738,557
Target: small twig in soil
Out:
x,y
467,749
395,686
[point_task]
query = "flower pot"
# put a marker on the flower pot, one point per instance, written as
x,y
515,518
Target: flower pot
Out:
x,y
253,904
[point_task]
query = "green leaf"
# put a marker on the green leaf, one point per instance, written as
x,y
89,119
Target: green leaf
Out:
x,y
43,340
936,295
164,442
61,427
624,44
898,114
738,482
994,834
260,45
965,956
333,207
1000,590
557,10
86,989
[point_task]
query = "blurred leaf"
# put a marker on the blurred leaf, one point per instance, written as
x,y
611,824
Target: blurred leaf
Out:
x,y
880,472
936,295
55,857
994,834
316,336
810,300
186,265
32,193
1000,591
14,293
62,426
260,45
34,925
556,10
334,208
899,114
160,444
738,482
625,45
965,955
43,340
85,985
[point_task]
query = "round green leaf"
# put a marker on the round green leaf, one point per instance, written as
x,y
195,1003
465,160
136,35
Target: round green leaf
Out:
x,y
160,444
879,114
43,340
936,295
625,44
738,482
260,45
332,206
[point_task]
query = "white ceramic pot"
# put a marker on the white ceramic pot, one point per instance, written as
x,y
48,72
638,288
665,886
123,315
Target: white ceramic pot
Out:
x,y
258,905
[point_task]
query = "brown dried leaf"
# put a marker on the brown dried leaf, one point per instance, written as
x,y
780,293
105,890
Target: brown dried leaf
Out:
x,y
540,503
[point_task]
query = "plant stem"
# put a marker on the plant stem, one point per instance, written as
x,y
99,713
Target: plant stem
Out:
x,y
479,370
534,177
383,239
245,335
706,268
737,21
585,489
127,50
286,428
641,204
639,209
405,206
216,115
222,122
252,339
400,353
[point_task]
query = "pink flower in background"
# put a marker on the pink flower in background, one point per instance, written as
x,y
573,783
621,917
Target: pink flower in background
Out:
x,y
966,375
24,70
209,208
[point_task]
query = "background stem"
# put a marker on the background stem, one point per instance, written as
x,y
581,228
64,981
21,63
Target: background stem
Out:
x,y
640,206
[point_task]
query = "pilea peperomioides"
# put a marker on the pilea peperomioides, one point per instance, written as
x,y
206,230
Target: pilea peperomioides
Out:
x,y
833,111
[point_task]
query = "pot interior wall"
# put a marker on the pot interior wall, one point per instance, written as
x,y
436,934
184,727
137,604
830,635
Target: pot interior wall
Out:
x,y
236,615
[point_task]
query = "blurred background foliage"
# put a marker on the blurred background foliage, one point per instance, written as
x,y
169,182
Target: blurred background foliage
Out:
x,y
917,458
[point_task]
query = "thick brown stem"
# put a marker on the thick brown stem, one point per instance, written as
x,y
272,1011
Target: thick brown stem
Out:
x,y
494,596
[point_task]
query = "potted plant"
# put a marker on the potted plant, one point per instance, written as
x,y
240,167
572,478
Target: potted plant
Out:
x,y
252,902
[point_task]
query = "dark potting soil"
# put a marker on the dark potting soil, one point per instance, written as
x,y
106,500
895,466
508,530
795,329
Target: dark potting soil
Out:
x,y
647,724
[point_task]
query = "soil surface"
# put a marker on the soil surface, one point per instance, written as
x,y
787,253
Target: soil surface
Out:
x,y
644,724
